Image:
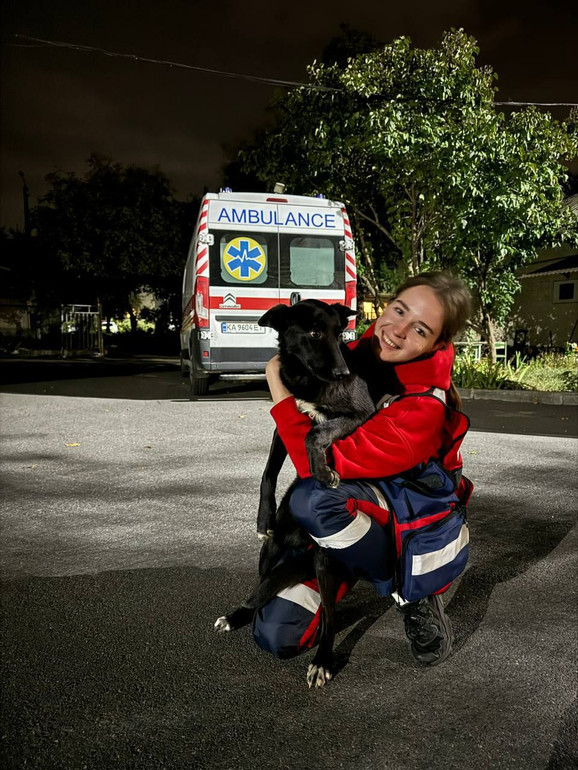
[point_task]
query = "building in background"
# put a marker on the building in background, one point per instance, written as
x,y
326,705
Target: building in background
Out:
x,y
545,313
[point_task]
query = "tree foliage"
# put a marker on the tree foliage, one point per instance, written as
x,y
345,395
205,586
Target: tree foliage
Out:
x,y
110,233
433,175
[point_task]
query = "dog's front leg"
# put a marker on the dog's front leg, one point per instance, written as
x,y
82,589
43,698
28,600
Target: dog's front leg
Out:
x,y
329,577
267,502
318,441
269,556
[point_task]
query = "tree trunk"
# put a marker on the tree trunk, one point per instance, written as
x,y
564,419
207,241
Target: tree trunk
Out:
x,y
133,320
369,279
488,333
415,239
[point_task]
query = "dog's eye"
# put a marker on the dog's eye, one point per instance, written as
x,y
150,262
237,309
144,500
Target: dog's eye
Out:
x,y
315,334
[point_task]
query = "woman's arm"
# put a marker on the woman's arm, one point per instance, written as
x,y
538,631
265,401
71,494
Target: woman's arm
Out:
x,y
273,374
392,441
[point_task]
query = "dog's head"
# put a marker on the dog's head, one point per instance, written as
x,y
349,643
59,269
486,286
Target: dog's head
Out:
x,y
311,332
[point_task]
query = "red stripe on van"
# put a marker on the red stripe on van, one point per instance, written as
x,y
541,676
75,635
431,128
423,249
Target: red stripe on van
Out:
x,y
257,303
248,303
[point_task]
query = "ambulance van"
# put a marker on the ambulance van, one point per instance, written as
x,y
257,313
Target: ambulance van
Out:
x,y
251,251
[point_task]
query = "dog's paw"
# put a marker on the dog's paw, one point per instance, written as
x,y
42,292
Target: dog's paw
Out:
x,y
334,479
317,676
265,535
222,624
328,477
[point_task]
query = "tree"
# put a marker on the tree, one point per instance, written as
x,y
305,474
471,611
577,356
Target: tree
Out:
x,y
514,207
412,141
110,233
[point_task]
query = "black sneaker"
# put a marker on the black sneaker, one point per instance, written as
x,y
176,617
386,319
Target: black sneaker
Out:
x,y
428,629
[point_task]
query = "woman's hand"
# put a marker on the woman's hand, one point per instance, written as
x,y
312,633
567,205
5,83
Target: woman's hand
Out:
x,y
273,373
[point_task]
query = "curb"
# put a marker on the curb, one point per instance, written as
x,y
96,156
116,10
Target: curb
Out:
x,y
520,396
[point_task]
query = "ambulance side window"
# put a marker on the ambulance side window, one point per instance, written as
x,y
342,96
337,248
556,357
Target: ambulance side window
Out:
x,y
312,261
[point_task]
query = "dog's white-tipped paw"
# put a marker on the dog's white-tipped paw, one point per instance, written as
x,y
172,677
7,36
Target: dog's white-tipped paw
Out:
x,y
265,535
222,624
318,676
334,480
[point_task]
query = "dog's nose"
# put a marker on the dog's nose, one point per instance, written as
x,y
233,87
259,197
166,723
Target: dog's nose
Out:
x,y
340,373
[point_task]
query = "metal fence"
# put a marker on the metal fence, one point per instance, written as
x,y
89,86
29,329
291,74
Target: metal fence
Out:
x,y
81,329
474,350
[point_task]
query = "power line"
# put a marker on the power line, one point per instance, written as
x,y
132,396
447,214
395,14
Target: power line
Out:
x,y
134,57
538,104
237,75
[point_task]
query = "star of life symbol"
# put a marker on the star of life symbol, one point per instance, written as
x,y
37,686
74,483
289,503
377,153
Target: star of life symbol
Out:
x,y
244,259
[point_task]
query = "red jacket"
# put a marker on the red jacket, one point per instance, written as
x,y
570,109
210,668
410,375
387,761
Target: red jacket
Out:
x,y
396,438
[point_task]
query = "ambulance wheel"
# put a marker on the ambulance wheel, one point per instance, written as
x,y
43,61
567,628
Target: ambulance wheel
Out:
x,y
199,385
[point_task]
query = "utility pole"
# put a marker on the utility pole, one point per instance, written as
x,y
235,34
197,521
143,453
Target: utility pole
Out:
x,y
26,200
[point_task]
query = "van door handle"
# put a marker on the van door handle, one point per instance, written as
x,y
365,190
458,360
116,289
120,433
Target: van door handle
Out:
x,y
295,297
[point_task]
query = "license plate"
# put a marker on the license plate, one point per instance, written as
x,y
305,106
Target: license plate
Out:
x,y
238,327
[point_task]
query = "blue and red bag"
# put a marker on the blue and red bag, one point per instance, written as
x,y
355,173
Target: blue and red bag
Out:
x,y
429,528
427,516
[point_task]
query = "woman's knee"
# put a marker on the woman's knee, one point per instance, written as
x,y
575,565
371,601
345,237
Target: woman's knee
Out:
x,y
271,637
285,626
316,507
300,500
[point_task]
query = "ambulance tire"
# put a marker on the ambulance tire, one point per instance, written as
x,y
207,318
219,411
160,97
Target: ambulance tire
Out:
x,y
199,385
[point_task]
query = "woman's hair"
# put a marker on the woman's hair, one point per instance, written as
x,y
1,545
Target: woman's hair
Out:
x,y
454,296
456,301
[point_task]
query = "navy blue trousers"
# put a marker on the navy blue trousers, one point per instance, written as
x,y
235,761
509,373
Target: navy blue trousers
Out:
x,y
335,519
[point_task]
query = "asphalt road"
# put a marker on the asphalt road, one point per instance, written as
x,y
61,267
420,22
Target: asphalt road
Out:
x,y
128,527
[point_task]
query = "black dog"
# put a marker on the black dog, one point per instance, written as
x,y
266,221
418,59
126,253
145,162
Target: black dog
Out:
x,y
314,367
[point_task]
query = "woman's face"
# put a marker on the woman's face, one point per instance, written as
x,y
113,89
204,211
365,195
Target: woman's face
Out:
x,y
409,326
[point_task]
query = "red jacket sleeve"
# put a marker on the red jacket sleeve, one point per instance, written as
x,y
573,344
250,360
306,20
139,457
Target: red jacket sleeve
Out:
x,y
393,440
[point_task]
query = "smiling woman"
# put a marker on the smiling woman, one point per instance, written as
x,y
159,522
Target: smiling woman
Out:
x,y
406,358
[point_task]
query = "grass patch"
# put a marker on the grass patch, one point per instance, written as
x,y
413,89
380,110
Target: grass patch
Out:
x,y
547,372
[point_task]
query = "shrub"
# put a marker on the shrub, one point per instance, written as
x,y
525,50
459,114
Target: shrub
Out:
x,y
469,373
547,372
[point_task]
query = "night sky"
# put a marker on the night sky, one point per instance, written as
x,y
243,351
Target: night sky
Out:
x,y
59,105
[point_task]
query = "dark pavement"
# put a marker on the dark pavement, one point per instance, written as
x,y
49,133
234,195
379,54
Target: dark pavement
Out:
x,y
128,527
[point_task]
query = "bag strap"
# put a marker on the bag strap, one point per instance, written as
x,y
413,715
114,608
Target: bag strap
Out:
x,y
439,395
436,393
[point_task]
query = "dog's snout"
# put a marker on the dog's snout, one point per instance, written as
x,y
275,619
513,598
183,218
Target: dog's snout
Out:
x,y
340,372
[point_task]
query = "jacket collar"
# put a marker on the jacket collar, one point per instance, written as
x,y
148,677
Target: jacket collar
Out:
x,y
430,371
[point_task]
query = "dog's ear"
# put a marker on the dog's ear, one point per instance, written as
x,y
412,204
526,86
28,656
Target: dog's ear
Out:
x,y
344,313
276,317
